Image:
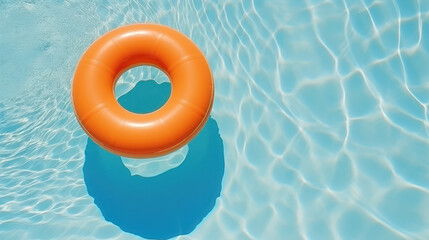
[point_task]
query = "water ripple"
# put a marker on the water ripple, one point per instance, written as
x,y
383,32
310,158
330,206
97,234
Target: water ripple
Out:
x,y
322,106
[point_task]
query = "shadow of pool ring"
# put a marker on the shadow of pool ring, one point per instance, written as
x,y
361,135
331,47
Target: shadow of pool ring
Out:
x,y
142,135
167,205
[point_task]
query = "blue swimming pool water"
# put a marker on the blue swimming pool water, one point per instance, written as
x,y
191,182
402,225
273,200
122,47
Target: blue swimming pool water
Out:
x,y
322,107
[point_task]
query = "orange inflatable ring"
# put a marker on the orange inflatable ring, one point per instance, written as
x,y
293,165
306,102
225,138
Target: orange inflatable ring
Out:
x,y
142,135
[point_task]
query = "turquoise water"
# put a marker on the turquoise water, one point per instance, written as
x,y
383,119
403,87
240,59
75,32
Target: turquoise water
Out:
x,y
322,107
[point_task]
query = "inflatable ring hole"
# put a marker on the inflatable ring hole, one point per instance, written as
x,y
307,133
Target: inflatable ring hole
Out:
x,y
130,78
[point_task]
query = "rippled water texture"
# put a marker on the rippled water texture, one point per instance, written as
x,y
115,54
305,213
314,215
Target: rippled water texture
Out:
x,y
322,107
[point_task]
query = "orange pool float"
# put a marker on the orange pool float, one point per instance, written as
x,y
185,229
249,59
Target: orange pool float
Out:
x,y
142,135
